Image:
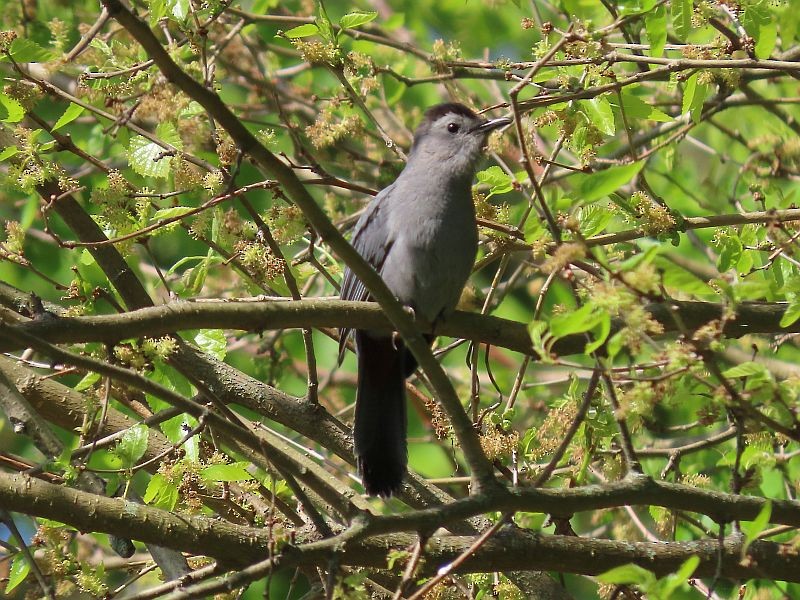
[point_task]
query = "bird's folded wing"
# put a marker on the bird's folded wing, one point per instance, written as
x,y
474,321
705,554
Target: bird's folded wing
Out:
x,y
373,241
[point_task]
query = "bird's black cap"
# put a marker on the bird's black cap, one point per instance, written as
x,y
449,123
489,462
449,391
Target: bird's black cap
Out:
x,y
440,110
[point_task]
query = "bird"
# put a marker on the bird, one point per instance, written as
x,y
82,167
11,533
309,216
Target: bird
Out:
x,y
420,235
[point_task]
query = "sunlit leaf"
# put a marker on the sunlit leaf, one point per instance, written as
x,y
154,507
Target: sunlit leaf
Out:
x,y
150,159
232,472
752,529
133,445
24,50
627,574
20,567
161,492
600,114
356,19
12,109
682,17
656,26
73,112
212,341
302,31
598,185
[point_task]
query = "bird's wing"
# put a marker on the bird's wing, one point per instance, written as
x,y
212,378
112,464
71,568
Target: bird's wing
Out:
x,y
372,241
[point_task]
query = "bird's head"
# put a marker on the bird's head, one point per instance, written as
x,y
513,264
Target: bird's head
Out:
x,y
451,138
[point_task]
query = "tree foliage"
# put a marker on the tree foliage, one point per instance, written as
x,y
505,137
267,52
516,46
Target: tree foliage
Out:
x,y
614,409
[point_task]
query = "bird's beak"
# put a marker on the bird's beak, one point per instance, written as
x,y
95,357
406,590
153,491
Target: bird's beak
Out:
x,y
491,125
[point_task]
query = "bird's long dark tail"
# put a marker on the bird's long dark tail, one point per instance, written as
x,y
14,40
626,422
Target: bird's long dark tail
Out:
x,y
380,422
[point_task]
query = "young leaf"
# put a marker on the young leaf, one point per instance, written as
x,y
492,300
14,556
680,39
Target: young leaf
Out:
x,y
593,219
170,213
13,109
672,582
682,17
655,23
499,181
767,35
20,567
636,108
8,152
212,341
87,382
356,19
792,313
729,253
179,9
73,112
746,369
23,50
597,185
161,493
231,472
302,31
600,114
133,445
324,24
585,318
628,574
148,158
694,94
755,527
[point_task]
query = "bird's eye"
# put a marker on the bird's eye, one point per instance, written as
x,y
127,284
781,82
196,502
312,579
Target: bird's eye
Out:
x,y
453,127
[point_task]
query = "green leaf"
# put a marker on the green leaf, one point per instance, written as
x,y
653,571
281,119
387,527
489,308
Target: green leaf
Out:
x,y
694,94
499,181
767,36
593,219
147,158
13,109
745,369
325,25
600,334
356,19
8,152
655,23
231,472
20,567
179,9
23,50
754,528
601,184
792,313
585,318
672,582
729,254
600,114
212,341
628,574
170,213
87,382
161,493
133,445
682,17
73,112
302,31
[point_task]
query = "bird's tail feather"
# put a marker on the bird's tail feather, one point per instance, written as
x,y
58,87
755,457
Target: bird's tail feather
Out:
x,y
380,421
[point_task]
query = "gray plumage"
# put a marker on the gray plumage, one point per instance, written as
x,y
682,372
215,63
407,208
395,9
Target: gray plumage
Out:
x,y
419,234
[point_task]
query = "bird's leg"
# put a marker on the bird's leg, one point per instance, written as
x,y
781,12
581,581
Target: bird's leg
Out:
x,y
409,310
396,340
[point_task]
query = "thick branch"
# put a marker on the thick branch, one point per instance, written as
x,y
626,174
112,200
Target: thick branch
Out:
x,y
510,549
750,317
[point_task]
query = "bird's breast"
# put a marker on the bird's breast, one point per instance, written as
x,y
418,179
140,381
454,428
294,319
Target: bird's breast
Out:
x,y
432,254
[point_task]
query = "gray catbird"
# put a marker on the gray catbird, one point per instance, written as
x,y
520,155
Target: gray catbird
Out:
x,y
420,235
